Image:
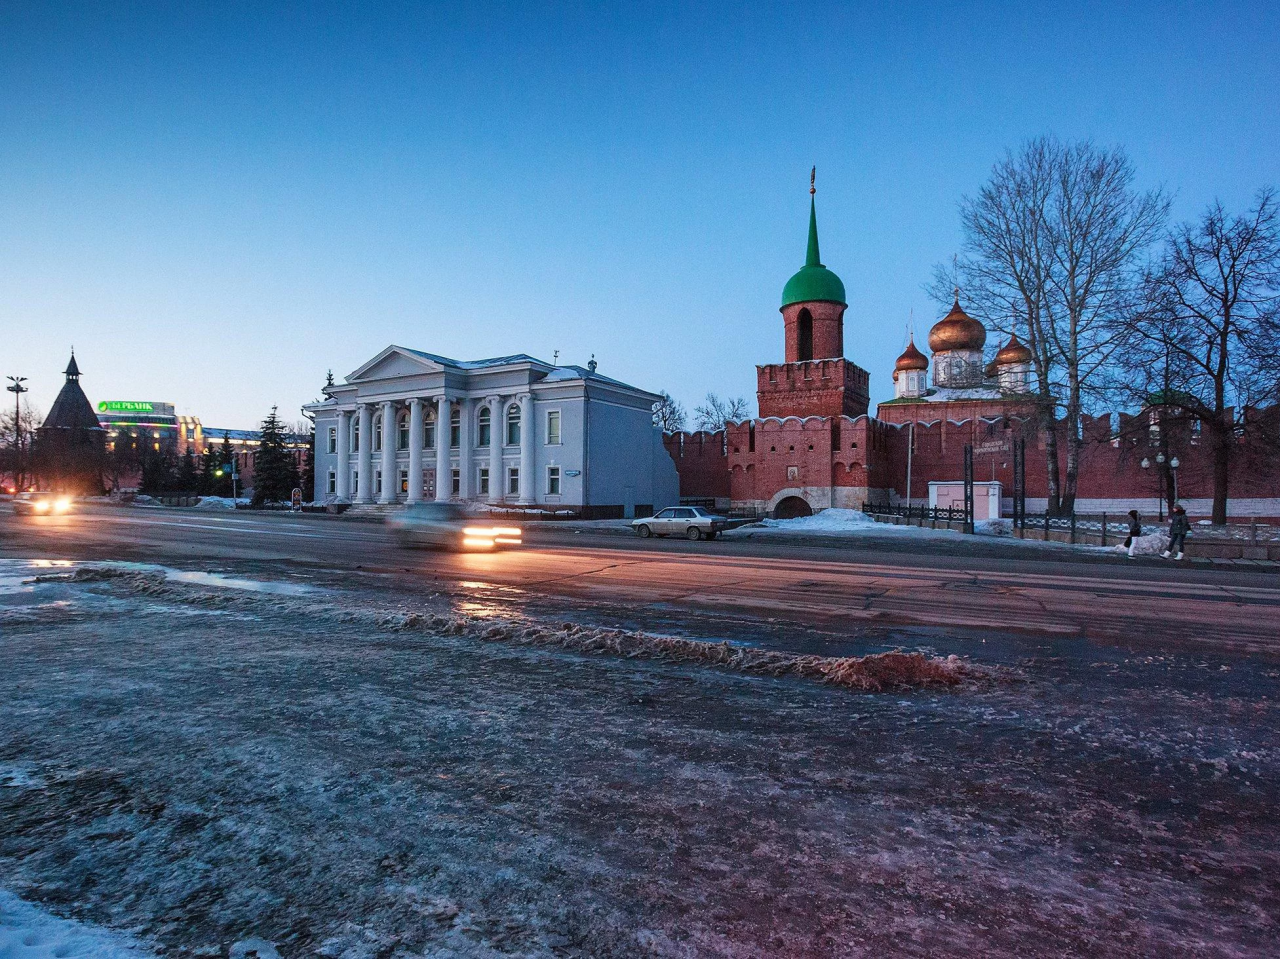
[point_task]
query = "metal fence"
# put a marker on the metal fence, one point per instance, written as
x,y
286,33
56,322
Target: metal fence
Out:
x,y
951,514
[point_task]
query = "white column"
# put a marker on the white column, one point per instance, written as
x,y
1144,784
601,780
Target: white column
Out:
x,y
465,412
364,455
528,432
415,449
497,436
390,479
444,478
342,472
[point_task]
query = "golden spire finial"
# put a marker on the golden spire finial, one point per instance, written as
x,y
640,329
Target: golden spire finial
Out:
x,y
813,175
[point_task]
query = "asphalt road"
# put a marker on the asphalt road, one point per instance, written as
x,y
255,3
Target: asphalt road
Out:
x,y
889,584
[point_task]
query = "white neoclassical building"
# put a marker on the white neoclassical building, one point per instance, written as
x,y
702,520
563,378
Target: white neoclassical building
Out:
x,y
408,426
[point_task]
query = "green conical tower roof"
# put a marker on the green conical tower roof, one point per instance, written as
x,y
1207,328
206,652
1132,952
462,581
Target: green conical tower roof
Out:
x,y
814,281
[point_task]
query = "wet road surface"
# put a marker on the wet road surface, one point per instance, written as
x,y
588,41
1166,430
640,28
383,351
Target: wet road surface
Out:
x,y
875,585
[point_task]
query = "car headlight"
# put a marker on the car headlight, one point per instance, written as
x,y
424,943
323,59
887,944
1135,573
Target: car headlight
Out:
x,y
62,504
42,506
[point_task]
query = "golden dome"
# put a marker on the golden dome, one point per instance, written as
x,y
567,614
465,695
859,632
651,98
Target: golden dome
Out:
x,y
957,331
1013,352
911,359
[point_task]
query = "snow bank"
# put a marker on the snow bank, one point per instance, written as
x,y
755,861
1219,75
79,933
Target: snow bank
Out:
x,y
879,672
840,522
1153,544
29,932
219,502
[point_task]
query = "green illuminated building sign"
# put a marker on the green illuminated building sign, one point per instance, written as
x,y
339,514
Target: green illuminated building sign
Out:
x,y
124,406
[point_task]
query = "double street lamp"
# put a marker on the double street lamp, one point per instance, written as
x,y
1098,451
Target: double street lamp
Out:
x,y
17,389
1173,476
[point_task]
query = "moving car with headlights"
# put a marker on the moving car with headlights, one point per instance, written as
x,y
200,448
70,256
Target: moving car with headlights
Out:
x,y
449,526
41,504
691,522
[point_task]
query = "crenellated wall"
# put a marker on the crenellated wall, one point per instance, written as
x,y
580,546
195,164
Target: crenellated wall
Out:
x,y
830,387
844,461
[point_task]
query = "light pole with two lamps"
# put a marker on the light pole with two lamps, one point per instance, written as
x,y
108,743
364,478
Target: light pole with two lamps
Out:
x,y
17,389
1173,476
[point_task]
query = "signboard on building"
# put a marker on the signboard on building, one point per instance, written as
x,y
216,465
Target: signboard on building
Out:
x,y
125,406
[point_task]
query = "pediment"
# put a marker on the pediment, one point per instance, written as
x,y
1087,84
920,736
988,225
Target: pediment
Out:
x,y
392,362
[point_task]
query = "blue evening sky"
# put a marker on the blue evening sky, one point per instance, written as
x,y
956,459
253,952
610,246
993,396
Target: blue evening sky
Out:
x,y
215,203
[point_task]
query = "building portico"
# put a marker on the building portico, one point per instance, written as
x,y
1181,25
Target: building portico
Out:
x,y
410,426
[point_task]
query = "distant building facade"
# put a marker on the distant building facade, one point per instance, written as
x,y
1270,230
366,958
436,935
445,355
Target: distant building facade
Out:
x,y
409,426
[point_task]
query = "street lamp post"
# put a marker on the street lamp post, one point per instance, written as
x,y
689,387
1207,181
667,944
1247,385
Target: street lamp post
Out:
x,y
1146,465
1173,475
17,389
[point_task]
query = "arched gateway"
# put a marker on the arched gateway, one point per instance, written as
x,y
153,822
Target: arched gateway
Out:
x,y
791,507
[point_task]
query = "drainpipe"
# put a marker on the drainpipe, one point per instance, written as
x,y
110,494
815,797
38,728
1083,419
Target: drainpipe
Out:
x,y
911,443
586,447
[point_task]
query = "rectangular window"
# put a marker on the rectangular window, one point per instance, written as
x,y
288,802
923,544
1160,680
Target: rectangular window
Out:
x,y
402,435
484,481
553,481
404,481
333,482
455,432
455,482
377,482
553,427
355,484
333,439
513,481
355,437
429,435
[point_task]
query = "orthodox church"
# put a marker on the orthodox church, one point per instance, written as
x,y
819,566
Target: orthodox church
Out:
x,y
814,446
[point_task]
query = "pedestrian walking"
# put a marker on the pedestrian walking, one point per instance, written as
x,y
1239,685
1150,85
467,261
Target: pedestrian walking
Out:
x,y
1179,527
1135,530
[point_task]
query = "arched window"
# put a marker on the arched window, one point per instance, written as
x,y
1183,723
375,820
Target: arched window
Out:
x,y
429,430
402,432
455,428
804,345
513,424
485,431
355,435
377,433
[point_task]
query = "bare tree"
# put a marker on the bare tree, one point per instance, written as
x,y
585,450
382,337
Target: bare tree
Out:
x,y
1004,273
1099,228
15,457
714,412
1212,324
1054,246
668,414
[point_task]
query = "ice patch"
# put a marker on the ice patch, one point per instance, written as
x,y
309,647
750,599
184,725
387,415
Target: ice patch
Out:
x,y
231,582
18,776
253,948
29,932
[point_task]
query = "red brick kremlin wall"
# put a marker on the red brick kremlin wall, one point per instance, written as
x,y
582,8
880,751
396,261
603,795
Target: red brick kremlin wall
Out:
x,y
849,460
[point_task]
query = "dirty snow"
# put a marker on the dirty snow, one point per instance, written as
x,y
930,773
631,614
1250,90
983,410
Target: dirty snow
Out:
x,y
364,772
29,932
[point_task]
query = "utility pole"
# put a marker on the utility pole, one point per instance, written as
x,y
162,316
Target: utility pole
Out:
x,y
17,389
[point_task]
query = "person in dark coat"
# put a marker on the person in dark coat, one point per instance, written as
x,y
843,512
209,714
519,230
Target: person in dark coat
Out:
x,y
1179,527
1135,530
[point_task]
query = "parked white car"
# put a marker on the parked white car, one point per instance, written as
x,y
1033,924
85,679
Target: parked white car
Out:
x,y
691,522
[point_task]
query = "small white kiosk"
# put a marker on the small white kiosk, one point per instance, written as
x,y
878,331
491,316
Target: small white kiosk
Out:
x,y
986,497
